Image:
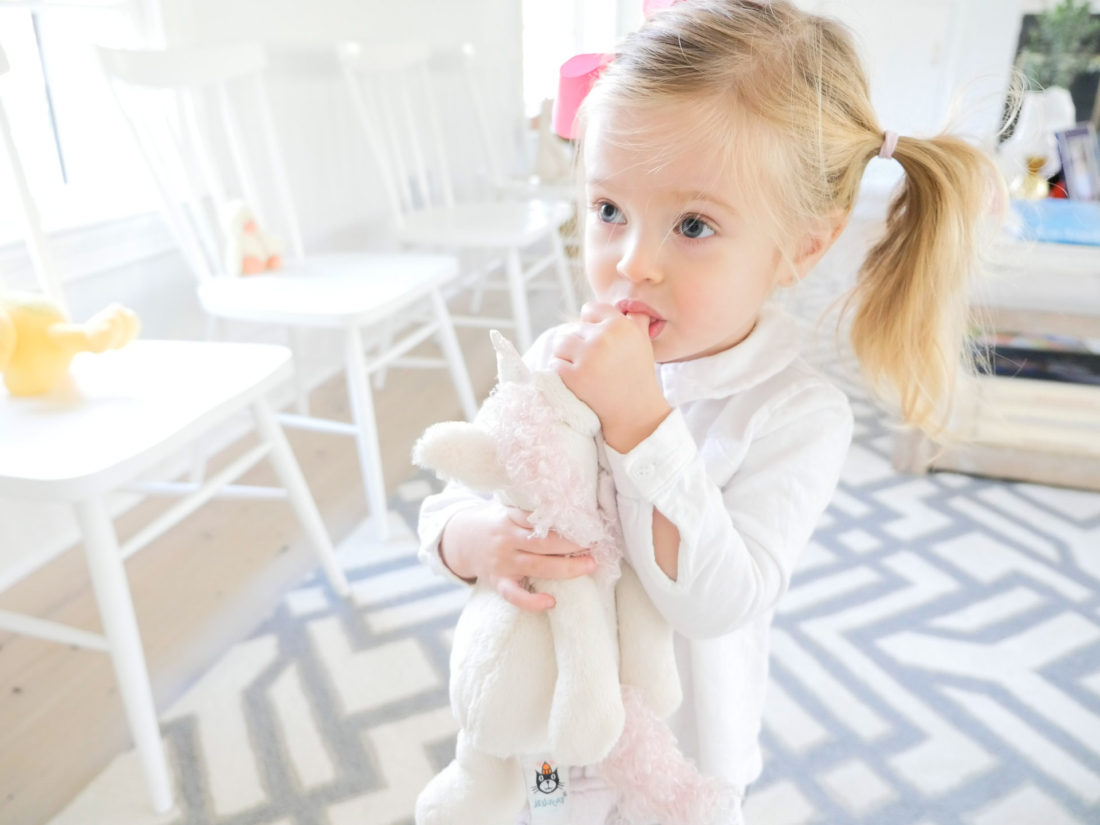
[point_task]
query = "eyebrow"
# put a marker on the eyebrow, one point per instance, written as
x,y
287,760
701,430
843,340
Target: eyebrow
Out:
x,y
696,195
682,194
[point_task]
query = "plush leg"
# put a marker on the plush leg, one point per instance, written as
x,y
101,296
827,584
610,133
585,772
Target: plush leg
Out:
x,y
586,717
502,675
648,661
475,788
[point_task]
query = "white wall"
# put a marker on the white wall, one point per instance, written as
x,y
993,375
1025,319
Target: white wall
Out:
x,y
924,57
318,23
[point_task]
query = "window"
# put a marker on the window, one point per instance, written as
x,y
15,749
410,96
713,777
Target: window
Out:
x,y
74,145
554,32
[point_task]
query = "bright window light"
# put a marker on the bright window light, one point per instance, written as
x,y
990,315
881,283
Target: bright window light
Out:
x,y
554,32
77,153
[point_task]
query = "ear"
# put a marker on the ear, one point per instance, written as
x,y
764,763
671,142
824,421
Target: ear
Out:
x,y
458,451
817,240
510,366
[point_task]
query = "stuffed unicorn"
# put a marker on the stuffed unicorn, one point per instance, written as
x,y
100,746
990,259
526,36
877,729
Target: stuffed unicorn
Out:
x,y
587,681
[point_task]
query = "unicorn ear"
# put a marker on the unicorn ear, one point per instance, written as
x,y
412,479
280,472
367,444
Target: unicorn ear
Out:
x,y
458,451
510,366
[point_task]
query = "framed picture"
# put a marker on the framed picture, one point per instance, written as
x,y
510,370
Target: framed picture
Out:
x,y
1080,153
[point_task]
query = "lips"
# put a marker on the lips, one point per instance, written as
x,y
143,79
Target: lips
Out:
x,y
632,307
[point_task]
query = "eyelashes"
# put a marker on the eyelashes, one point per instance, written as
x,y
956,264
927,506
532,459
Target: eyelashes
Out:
x,y
692,227
609,212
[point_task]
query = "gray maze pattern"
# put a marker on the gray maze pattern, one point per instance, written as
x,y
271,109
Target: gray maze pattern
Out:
x,y
936,662
341,708
937,659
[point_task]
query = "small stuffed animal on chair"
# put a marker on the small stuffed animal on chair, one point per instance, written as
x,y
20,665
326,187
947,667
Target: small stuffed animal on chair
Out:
x,y
553,157
37,341
249,249
586,682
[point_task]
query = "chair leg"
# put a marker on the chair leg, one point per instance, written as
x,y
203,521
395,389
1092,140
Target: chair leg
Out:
x,y
362,413
301,385
116,611
477,261
198,461
565,274
517,289
215,328
448,341
290,475
385,343
200,449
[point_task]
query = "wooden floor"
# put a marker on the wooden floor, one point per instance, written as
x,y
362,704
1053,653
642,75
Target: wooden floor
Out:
x,y
200,588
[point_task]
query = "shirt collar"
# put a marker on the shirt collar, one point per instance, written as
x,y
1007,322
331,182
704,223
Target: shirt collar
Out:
x,y
773,344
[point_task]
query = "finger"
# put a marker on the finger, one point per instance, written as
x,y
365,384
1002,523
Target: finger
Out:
x,y
593,312
518,517
512,591
640,320
553,544
535,566
567,343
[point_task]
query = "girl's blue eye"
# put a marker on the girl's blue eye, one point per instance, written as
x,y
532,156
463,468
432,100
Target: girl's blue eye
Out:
x,y
694,227
609,213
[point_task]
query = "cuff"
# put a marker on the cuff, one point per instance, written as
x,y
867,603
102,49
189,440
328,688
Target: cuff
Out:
x,y
647,470
430,531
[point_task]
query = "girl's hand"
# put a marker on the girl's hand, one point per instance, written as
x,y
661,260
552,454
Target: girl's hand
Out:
x,y
607,361
493,544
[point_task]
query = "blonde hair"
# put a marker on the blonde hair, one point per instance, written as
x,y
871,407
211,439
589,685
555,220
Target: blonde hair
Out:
x,y
787,90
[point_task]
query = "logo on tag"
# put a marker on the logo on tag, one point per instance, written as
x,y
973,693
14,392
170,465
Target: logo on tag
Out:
x,y
547,796
546,780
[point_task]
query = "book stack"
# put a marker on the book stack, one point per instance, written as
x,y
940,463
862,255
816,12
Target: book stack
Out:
x,y
1038,395
1041,356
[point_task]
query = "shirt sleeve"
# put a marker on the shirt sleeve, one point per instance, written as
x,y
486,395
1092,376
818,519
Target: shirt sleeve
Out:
x,y
435,511
739,542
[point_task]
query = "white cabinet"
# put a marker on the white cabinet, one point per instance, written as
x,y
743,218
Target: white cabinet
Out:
x,y
1017,428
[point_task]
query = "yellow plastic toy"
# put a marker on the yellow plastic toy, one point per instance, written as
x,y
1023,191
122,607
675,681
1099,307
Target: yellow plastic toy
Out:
x,y
37,341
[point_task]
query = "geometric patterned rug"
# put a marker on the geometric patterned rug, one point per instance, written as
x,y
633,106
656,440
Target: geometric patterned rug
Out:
x,y
936,662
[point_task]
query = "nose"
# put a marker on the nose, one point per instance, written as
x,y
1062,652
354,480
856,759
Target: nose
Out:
x,y
639,259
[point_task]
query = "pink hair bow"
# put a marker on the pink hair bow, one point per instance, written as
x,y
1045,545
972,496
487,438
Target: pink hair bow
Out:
x,y
579,72
575,79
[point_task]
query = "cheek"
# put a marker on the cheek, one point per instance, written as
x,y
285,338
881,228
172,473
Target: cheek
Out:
x,y
599,266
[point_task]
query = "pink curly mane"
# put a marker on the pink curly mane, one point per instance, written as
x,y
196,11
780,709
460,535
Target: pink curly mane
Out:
x,y
529,437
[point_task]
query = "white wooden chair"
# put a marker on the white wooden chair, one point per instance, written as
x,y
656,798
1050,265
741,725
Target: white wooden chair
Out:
x,y
510,174
393,94
179,103
487,83
126,413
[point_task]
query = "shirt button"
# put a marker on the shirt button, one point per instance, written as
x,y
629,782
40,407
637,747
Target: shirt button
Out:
x,y
644,470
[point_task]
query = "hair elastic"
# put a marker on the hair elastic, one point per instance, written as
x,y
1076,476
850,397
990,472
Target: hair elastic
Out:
x,y
889,144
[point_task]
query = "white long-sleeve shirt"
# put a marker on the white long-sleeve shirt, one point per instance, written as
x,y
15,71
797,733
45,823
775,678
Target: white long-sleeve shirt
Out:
x,y
744,466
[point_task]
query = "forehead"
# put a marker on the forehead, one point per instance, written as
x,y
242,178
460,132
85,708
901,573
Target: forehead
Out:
x,y
673,145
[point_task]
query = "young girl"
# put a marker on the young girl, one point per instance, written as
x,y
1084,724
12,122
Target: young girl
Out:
x,y
722,152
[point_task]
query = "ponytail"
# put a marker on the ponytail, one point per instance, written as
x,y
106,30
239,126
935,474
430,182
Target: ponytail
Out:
x,y
911,319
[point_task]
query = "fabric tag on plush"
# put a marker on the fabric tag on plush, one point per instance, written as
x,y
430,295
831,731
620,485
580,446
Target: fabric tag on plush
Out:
x,y
547,796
